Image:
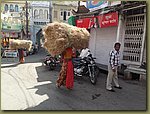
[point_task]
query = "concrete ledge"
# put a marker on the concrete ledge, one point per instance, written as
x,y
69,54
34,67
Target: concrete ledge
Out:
x,y
128,73
102,67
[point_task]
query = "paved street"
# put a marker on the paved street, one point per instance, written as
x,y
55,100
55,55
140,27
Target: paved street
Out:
x,y
31,86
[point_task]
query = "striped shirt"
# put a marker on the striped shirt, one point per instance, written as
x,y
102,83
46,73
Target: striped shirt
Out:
x,y
114,58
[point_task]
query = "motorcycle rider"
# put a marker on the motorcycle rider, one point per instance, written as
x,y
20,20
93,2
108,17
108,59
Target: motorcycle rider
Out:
x,y
85,52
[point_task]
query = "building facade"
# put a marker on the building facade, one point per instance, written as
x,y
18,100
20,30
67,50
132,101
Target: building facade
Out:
x,y
12,21
130,30
44,12
13,18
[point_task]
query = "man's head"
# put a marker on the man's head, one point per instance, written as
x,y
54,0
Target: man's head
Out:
x,y
117,46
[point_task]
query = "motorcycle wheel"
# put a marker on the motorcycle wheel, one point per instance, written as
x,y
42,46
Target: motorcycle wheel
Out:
x,y
45,62
51,66
93,77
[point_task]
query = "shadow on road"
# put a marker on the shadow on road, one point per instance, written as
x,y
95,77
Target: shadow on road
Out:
x,y
59,98
86,96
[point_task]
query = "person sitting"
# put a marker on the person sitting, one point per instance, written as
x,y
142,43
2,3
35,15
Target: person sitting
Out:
x,y
85,52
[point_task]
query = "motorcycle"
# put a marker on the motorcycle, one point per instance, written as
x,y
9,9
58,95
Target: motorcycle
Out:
x,y
86,67
51,62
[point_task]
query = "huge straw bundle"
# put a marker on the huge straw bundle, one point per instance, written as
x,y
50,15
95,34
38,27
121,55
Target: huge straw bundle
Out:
x,y
16,44
59,36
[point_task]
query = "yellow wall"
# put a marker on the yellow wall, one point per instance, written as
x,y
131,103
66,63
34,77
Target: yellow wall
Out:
x,y
58,9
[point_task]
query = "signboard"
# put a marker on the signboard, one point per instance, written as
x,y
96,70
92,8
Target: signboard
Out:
x,y
11,26
10,53
96,4
86,23
107,20
114,3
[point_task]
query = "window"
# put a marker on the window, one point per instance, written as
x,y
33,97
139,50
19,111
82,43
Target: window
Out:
x,y
45,14
55,14
40,14
61,13
65,14
11,8
16,8
35,14
68,13
6,7
133,37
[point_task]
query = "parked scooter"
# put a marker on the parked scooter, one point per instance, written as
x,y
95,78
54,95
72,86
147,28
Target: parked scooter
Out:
x,y
51,62
86,67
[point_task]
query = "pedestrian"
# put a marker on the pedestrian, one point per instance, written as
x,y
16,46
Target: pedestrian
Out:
x,y
5,44
112,68
36,47
21,55
66,75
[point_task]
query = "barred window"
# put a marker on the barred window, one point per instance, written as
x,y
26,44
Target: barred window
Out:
x,y
6,7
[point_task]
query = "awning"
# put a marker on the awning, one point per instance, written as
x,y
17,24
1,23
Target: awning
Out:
x,y
86,22
134,7
81,10
71,21
11,31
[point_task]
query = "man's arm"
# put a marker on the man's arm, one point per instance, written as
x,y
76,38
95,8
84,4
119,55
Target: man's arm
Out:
x,y
112,57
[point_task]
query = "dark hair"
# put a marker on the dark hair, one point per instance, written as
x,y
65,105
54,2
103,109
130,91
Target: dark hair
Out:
x,y
117,43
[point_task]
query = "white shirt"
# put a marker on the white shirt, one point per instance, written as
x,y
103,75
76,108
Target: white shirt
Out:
x,y
114,58
84,53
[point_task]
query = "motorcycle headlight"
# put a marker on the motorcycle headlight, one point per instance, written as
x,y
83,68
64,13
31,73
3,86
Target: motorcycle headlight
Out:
x,y
83,61
92,62
48,61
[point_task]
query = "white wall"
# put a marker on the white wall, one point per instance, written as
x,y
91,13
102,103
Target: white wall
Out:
x,y
62,8
34,30
104,42
121,39
92,41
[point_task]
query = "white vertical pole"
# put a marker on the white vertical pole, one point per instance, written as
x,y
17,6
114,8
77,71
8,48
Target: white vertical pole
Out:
x,y
95,35
143,41
50,11
119,27
27,19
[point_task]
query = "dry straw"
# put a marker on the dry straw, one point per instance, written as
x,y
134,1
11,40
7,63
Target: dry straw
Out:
x,y
17,44
59,36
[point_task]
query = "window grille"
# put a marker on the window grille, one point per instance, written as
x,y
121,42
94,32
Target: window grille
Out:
x,y
133,37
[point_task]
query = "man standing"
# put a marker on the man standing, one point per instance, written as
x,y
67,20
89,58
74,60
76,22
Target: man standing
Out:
x,y
112,68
